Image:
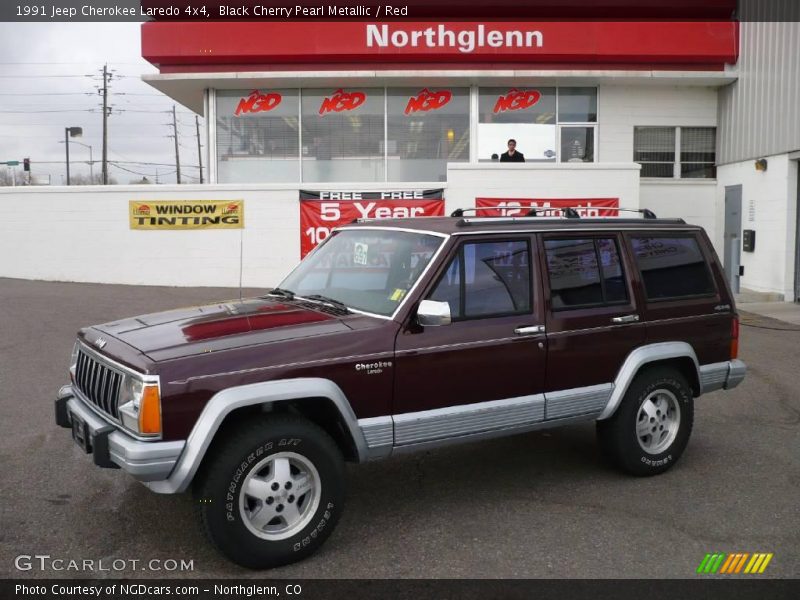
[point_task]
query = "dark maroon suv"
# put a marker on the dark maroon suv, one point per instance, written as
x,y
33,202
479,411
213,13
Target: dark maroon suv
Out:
x,y
399,335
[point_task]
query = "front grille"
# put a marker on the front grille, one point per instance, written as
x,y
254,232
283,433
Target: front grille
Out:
x,y
99,383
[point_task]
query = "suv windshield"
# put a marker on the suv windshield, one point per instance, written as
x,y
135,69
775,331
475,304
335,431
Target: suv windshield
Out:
x,y
365,269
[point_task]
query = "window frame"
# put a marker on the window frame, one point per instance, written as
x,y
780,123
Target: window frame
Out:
x,y
594,236
706,265
458,253
676,162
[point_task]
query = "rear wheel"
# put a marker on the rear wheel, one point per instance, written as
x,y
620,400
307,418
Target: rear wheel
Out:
x,y
272,492
652,425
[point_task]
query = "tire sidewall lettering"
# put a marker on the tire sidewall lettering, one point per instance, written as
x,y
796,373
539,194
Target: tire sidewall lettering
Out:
x,y
326,516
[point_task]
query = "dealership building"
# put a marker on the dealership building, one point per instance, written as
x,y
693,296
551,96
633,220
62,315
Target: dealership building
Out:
x,y
690,118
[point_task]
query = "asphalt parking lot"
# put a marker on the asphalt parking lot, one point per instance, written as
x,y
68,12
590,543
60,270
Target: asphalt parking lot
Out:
x,y
535,505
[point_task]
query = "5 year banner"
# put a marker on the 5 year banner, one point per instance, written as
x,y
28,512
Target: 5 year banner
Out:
x,y
321,212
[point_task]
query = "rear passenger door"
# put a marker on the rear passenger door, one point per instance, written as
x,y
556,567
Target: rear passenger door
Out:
x,y
593,319
682,300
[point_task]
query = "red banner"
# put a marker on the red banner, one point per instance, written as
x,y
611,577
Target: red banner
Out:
x,y
321,212
208,44
546,207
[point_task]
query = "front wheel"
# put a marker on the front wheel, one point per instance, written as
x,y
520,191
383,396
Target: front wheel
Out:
x,y
652,425
272,492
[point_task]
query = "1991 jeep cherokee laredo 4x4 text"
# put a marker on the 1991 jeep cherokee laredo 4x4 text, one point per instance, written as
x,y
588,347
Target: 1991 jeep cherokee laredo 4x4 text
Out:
x,y
401,335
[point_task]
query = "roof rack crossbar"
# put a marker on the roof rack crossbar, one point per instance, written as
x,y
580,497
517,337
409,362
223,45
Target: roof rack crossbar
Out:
x,y
570,212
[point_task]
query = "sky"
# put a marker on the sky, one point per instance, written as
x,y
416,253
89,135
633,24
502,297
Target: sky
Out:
x,y
49,75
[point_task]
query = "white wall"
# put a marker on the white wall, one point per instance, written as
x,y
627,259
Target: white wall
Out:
x,y
621,108
769,206
693,200
82,234
465,182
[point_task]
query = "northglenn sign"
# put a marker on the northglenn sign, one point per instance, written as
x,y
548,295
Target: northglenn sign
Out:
x,y
213,45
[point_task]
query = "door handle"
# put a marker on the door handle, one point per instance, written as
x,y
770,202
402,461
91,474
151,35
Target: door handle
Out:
x,y
626,319
529,330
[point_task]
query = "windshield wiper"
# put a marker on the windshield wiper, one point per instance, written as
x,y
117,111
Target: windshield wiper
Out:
x,y
281,292
325,300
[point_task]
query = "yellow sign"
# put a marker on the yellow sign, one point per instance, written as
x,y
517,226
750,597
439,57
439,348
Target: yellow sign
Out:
x,y
186,214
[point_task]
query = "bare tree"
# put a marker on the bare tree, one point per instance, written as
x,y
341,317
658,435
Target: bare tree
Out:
x,y
5,177
81,179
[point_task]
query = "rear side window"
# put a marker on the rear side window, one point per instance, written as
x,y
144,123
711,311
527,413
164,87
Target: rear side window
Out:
x,y
672,267
487,279
585,272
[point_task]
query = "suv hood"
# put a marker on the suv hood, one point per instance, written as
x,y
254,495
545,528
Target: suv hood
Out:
x,y
222,326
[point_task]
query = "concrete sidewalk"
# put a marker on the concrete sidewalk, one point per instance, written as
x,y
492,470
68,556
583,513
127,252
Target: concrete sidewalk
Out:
x,y
788,312
768,305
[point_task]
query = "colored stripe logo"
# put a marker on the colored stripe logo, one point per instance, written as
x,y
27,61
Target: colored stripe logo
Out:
x,y
720,563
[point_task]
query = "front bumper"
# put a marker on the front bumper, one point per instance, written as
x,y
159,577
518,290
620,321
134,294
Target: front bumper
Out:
x,y
722,375
112,448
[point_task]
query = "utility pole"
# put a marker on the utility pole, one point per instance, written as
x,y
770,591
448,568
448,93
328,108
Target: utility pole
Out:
x,y
105,124
199,147
177,152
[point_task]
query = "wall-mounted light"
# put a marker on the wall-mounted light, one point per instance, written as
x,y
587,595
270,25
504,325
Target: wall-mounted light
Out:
x,y
761,164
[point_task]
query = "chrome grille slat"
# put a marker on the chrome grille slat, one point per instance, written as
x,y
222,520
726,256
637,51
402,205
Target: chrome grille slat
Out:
x,y
103,396
92,381
99,383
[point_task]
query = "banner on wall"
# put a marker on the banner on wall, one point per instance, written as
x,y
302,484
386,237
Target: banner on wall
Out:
x,y
321,212
186,214
546,207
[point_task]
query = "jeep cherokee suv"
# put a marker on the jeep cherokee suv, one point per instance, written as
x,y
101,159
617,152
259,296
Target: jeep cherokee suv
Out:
x,y
400,335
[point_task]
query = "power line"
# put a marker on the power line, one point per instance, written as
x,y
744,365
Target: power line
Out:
x,y
33,112
47,94
43,76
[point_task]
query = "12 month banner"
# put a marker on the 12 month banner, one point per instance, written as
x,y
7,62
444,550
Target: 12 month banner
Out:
x,y
186,214
546,207
321,212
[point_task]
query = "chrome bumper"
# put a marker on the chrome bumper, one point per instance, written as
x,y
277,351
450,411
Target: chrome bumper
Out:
x,y
722,375
144,460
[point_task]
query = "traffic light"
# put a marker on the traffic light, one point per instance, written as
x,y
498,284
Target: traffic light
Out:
x,y
26,164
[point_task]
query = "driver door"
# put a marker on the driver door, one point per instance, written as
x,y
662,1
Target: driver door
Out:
x,y
495,346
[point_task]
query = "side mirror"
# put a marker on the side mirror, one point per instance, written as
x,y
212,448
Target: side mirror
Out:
x,y
432,313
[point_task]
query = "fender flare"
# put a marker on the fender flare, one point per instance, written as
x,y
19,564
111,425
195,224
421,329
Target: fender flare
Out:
x,y
636,360
226,401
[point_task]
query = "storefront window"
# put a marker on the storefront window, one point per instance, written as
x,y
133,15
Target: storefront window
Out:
x,y
527,114
343,135
676,152
258,136
427,128
577,105
698,152
577,144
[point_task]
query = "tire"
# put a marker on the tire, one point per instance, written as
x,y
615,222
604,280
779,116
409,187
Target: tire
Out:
x,y
245,517
642,438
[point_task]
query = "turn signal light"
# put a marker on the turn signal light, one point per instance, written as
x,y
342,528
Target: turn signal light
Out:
x,y
150,410
735,338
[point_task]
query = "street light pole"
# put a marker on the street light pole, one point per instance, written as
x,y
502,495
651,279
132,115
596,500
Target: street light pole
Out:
x,y
68,133
66,144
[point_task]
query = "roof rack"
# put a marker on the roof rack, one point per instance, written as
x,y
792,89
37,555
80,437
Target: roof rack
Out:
x,y
568,212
